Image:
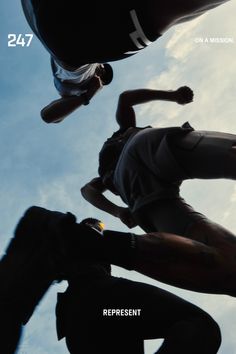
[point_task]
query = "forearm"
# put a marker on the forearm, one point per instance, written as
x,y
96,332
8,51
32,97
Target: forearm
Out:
x,y
97,199
125,114
60,108
140,96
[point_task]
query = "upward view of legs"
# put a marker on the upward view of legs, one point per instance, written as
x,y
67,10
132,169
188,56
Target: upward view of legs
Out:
x,y
184,327
74,46
205,249
181,261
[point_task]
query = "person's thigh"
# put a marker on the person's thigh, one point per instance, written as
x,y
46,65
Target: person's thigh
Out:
x,y
91,327
103,343
159,312
10,333
173,216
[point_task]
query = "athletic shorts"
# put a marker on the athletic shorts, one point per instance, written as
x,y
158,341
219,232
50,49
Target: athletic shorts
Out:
x,y
202,155
206,154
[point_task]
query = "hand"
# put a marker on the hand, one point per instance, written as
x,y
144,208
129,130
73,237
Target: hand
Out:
x,y
94,85
183,95
126,217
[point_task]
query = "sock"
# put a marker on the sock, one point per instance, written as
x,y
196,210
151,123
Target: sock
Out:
x,y
118,248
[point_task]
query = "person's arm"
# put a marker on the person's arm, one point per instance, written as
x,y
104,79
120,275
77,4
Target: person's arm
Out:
x,y
125,114
59,109
94,85
93,193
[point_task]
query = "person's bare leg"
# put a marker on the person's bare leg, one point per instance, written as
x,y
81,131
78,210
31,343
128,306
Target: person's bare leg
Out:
x,y
203,261
208,259
188,263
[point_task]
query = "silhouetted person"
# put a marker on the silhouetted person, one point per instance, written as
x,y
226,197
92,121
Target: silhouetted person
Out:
x,y
145,167
76,88
103,314
45,248
75,84
163,256
81,35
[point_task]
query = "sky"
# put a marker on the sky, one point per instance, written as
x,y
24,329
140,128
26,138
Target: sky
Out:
x,y
46,165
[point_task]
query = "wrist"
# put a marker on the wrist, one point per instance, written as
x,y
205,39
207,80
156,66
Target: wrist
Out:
x,y
166,95
172,96
85,99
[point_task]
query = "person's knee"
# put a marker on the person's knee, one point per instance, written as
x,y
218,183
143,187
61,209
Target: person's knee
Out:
x,y
202,334
196,333
209,333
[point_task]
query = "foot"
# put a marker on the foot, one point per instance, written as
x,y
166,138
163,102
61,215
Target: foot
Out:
x,y
41,232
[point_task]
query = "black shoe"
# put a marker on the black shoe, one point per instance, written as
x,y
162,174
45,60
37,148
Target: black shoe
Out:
x,y
40,229
34,257
38,220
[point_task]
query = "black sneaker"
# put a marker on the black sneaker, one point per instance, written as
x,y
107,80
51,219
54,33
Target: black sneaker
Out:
x,y
34,258
48,229
39,220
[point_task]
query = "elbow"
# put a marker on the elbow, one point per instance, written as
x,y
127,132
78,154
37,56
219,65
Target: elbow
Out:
x,y
44,116
87,192
84,191
124,96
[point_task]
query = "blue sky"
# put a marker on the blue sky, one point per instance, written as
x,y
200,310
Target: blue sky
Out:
x,y
46,165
